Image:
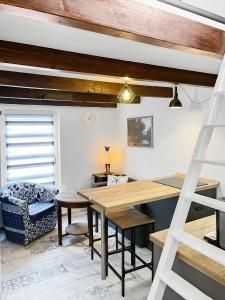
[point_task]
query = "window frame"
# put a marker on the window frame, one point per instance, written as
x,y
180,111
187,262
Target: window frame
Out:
x,y
3,160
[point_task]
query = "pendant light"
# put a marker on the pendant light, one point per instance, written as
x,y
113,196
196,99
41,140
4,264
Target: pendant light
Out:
x,y
175,102
126,94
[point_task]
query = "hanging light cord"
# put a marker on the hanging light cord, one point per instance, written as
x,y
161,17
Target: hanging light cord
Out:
x,y
196,102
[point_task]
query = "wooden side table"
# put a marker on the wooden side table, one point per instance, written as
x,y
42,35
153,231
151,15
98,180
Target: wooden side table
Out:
x,y
71,200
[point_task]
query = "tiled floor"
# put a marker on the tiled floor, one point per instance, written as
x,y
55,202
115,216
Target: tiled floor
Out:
x,y
44,270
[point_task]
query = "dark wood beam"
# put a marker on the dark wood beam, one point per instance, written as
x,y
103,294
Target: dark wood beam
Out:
x,y
125,19
22,54
40,94
17,79
27,101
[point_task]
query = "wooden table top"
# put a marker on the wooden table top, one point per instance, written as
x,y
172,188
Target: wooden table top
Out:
x,y
69,197
200,262
137,192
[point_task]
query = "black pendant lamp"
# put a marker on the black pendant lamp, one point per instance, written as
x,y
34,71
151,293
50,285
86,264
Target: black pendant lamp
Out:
x,y
175,102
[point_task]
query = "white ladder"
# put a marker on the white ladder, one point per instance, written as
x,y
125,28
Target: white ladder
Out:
x,y
176,235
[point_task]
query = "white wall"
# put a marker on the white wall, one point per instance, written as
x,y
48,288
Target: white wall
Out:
x,y
82,148
175,134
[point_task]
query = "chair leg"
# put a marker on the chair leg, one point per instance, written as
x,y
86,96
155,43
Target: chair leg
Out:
x,y
91,233
96,221
153,270
133,240
117,243
123,265
90,225
59,225
107,245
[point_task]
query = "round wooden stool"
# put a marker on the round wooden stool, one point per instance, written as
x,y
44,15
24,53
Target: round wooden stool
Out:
x,y
71,200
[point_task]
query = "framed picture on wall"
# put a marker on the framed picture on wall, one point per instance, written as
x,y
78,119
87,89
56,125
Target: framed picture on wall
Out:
x,y
140,132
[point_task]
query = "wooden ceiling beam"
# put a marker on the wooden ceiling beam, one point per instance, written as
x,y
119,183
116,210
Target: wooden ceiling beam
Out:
x,y
41,94
25,80
125,19
35,56
27,101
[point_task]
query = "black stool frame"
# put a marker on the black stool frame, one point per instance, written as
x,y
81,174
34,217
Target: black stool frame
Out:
x,y
131,249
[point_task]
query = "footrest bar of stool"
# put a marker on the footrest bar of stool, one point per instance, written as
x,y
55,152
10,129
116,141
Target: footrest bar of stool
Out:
x,y
114,271
65,234
109,237
97,252
127,247
147,265
136,268
118,251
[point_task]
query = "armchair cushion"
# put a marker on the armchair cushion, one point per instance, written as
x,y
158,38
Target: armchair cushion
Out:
x,y
40,210
37,208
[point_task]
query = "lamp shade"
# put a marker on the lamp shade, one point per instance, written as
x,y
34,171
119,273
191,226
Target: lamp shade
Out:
x,y
175,102
126,95
107,156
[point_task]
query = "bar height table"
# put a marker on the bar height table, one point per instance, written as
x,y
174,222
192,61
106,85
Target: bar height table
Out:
x,y
130,194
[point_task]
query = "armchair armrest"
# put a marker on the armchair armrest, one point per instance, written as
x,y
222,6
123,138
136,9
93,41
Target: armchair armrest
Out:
x,y
17,202
45,194
20,204
6,196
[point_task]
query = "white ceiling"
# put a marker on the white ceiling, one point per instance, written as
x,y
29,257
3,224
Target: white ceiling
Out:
x,y
216,7
25,30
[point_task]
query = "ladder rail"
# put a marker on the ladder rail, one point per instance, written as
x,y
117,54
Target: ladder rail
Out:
x,y
183,206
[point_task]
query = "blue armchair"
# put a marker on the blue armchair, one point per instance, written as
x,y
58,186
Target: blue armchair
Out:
x,y
28,211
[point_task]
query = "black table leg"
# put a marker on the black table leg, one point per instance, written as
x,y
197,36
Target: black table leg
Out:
x,y
123,265
90,229
69,216
96,221
153,270
59,225
117,243
107,245
133,263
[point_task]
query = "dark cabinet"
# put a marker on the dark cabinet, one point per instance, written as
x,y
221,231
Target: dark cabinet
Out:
x,y
162,211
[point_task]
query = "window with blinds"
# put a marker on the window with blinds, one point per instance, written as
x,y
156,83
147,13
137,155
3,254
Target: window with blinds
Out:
x,y
30,148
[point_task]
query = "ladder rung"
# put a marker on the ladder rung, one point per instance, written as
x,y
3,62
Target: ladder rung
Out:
x,y
200,246
213,125
211,162
182,287
210,202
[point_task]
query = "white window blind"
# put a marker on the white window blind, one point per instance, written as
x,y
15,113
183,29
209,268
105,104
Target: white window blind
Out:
x,y
30,148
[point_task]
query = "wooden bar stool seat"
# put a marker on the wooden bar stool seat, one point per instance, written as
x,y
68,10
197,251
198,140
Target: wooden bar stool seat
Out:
x,y
97,211
129,218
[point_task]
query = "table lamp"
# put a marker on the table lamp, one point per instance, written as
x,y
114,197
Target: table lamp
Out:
x,y
107,160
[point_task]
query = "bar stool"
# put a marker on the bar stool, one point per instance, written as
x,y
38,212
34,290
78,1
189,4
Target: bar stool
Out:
x,y
125,220
95,213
